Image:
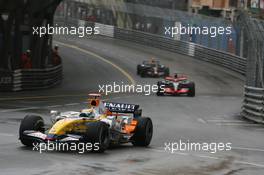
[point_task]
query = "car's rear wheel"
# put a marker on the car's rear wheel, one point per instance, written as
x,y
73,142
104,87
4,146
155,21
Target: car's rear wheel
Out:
x,y
159,92
191,92
98,134
142,74
143,133
33,123
138,70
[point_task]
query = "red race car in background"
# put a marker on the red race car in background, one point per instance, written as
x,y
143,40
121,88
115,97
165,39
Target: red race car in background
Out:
x,y
177,85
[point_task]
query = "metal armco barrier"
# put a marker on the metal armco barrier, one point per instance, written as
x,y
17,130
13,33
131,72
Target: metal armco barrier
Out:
x,y
253,106
105,30
220,58
31,79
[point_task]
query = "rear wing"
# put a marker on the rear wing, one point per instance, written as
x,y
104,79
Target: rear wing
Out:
x,y
121,107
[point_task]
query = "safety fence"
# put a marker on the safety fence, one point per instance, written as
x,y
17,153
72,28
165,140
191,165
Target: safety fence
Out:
x,y
30,79
252,45
254,100
151,19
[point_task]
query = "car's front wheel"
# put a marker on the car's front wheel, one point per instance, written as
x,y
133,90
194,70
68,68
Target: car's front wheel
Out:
x,y
32,123
98,134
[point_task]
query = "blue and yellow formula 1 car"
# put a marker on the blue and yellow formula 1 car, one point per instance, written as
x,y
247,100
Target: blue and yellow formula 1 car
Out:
x,y
103,124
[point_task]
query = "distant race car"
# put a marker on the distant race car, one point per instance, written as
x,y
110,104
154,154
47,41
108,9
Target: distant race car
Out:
x,y
104,124
152,68
177,85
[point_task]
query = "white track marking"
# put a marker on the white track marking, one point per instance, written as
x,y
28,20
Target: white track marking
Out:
x,y
225,121
55,106
250,163
19,109
208,157
248,149
161,150
41,97
7,135
72,104
239,124
201,120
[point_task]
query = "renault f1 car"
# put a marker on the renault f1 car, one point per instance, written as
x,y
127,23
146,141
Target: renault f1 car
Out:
x,y
177,85
103,123
152,68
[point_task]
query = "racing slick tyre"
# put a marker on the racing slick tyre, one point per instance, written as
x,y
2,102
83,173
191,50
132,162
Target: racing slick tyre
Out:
x,y
191,92
98,135
142,74
167,72
143,133
33,123
159,93
138,70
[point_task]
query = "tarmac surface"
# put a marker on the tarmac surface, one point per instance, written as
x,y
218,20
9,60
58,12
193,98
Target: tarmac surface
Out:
x,y
210,117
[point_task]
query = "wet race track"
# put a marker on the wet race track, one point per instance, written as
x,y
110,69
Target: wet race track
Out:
x,y
211,117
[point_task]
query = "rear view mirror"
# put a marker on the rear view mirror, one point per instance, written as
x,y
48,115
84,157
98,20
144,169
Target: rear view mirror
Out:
x,y
138,113
54,113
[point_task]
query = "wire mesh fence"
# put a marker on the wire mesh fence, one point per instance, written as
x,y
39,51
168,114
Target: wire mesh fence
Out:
x,y
152,20
251,36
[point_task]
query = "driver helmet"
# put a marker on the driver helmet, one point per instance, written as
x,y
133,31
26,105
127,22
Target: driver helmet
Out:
x,y
28,52
90,113
56,47
152,60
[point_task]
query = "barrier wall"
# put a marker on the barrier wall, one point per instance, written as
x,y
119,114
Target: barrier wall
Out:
x,y
253,106
30,79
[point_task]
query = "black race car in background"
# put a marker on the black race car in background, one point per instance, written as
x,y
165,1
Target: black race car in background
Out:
x,y
177,85
152,68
